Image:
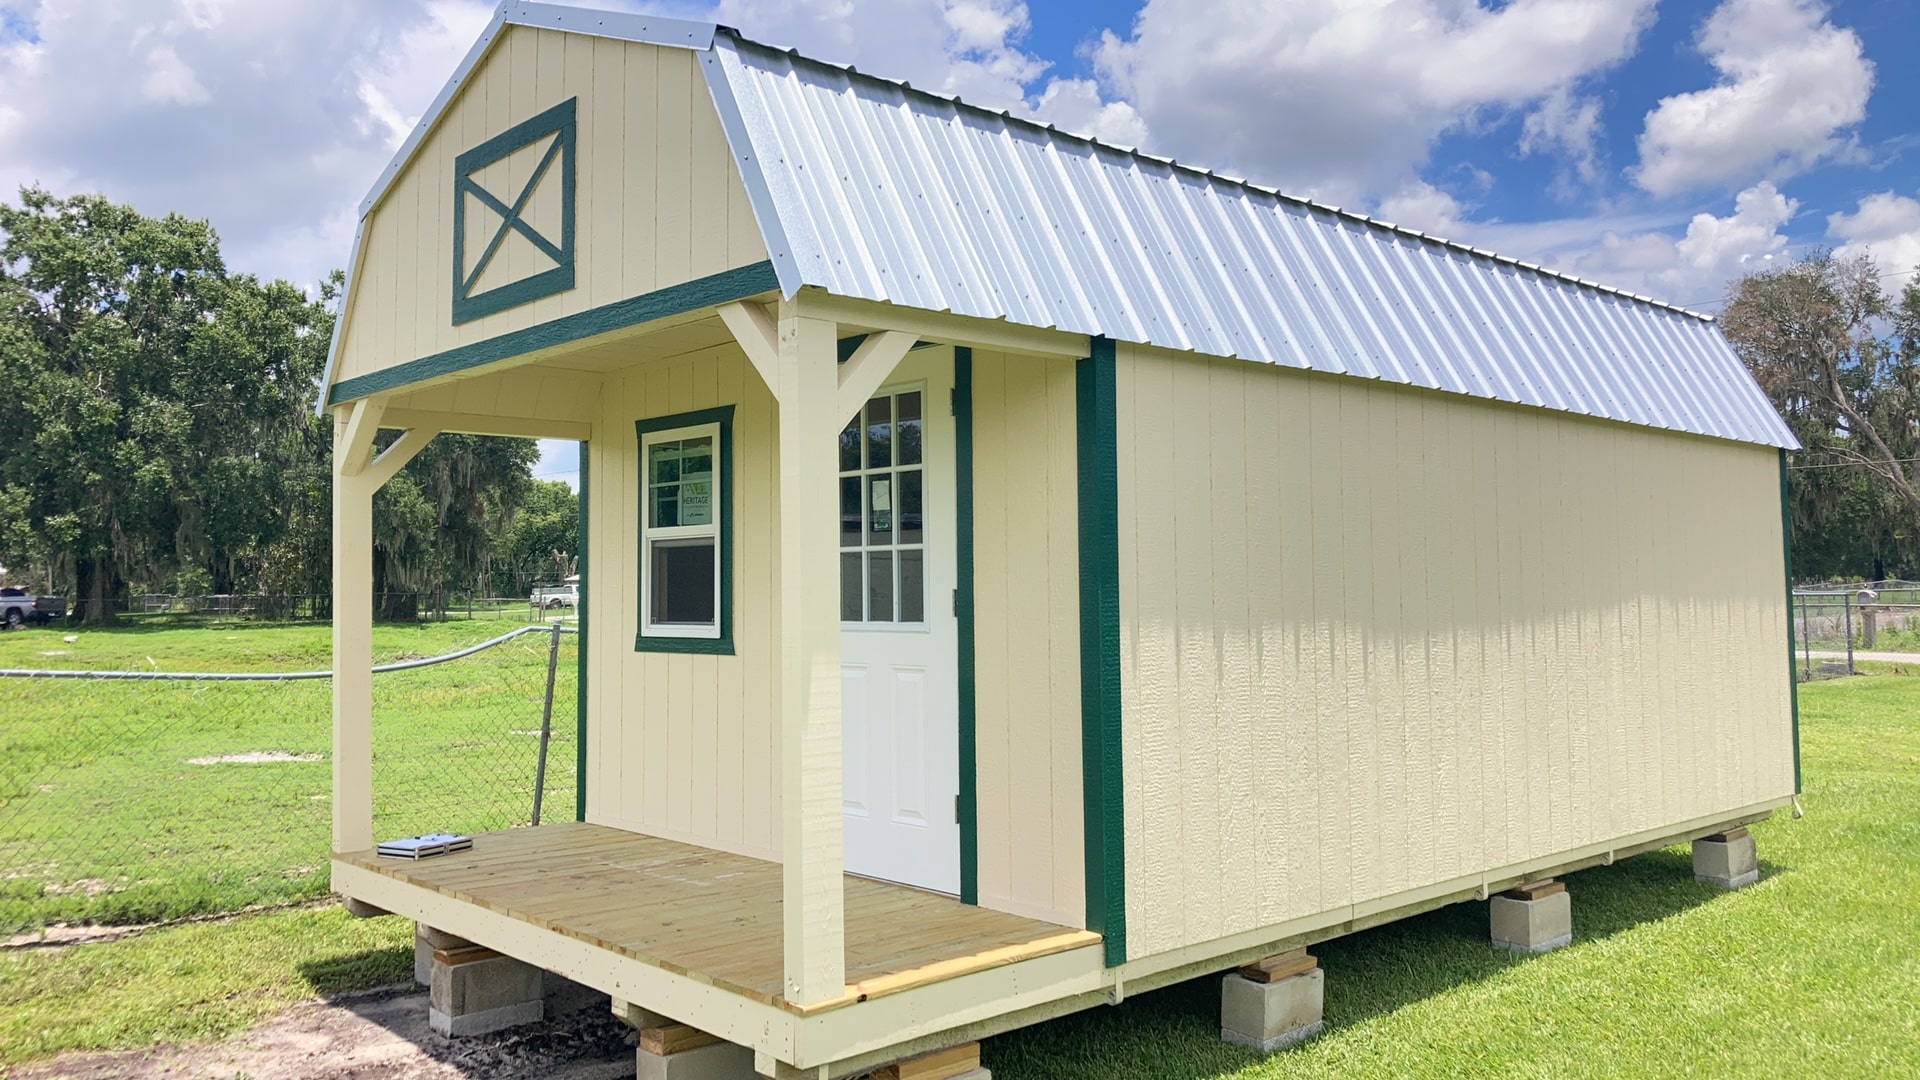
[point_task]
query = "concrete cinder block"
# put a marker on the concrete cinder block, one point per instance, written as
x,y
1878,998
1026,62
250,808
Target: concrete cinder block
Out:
x,y
477,991
360,909
422,957
439,939
1268,1016
716,1061
1532,919
1729,859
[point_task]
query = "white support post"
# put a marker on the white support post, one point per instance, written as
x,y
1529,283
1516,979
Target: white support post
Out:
x,y
807,387
355,479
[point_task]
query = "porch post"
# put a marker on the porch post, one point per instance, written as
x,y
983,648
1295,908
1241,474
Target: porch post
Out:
x,y
811,853
356,476
353,431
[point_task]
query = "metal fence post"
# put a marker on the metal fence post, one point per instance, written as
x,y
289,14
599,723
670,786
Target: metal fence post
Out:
x,y
1847,600
1806,640
546,725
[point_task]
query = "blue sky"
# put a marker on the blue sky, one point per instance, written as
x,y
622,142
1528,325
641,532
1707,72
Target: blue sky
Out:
x,y
1664,146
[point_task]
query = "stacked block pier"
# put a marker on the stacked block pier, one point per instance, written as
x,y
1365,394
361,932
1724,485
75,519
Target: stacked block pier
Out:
x,y
1273,1003
1534,918
1728,859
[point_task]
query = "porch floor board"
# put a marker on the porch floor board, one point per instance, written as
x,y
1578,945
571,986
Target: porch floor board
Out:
x,y
715,916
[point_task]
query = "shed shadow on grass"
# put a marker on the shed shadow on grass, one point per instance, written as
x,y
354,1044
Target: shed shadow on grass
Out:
x,y
349,973
1174,1033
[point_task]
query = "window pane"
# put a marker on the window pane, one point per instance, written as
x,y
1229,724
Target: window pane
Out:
x,y
850,514
683,582
913,603
666,462
908,435
880,586
850,446
911,529
879,433
880,509
666,508
850,586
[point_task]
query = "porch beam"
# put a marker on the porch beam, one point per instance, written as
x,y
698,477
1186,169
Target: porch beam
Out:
x,y
813,887
869,367
517,427
759,338
945,328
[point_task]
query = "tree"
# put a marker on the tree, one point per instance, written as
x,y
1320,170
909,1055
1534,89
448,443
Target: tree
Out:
x,y
547,521
434,523
1841,361
144,395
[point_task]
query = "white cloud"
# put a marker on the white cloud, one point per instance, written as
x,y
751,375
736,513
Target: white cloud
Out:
x,y
1694,269
1791,85
269,119
1567,126
1076,105
1341,99
1887,226
1422,206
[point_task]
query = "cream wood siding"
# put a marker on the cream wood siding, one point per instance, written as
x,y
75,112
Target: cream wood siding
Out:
x,y
1027,651
1375,638
658,199
682,746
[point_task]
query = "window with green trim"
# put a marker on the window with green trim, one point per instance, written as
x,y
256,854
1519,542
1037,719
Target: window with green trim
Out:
x,y
686,532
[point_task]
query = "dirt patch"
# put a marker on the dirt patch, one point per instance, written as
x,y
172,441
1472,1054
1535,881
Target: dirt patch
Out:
x,y
255,757
382,1034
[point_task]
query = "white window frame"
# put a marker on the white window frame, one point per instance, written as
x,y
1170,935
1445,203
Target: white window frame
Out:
x,y
649,533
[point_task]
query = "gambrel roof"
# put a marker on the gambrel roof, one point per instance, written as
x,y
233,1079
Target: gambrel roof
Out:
x,y
871,189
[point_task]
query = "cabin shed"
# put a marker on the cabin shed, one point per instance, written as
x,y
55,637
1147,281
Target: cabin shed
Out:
x,y
1017,572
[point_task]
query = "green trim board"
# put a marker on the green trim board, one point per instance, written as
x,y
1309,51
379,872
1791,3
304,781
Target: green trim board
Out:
x,y
964,611
1793,672
580,646
1101,770
556,127
722,645
722,288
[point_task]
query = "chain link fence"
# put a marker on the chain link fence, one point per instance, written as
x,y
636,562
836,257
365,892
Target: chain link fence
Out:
x,y
516,605
1837,625
138,796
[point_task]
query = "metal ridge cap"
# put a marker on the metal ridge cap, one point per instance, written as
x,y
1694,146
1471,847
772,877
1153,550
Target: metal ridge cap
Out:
x,y
621,25
1049,131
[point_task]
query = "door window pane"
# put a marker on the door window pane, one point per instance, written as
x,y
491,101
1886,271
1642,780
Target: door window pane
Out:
x,y
880,586
907,436
912,531
880,509
850,446
849,511
913,605
879,433
850,586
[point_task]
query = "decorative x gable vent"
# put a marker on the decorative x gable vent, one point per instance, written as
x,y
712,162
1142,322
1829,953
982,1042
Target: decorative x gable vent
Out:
x,y
513,216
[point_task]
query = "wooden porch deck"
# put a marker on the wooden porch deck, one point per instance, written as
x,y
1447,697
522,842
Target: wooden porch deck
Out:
x,y
715,917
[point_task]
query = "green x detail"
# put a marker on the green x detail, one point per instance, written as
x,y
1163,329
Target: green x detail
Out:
x,y
556,124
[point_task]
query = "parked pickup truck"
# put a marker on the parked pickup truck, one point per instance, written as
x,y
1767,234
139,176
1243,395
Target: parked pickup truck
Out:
x,y
18,608
554,597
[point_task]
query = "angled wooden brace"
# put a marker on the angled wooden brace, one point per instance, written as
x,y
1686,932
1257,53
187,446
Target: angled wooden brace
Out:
x,y
759,338
869,367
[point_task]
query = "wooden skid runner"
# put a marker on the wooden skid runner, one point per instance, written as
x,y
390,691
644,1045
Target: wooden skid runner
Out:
x,y
714,916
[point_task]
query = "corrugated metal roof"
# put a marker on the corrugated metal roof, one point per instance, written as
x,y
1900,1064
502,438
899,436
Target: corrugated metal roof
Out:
x,y
867,188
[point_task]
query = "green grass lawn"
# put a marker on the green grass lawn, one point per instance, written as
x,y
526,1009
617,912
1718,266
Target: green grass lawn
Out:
x,y
116,807
1815,971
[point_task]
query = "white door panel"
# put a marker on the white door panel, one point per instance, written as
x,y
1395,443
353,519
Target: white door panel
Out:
x,y
899,637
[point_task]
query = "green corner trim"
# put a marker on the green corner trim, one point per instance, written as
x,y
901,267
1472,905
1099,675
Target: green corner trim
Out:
x,y
468,305
722,645
963,609
721,288
580,650
1101,770
1793,672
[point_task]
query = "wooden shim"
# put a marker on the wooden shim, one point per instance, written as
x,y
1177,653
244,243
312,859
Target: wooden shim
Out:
x,y
1729,836
1284,966
467,955
1535,890
939,1065
667,1041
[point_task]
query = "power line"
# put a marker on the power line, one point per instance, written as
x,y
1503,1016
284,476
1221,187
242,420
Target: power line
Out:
x,y
1852,464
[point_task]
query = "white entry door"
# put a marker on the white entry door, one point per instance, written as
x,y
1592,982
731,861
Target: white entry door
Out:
x,y
898,635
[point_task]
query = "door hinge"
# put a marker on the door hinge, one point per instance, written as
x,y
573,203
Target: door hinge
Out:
x,y
953,401
956,603
956,809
